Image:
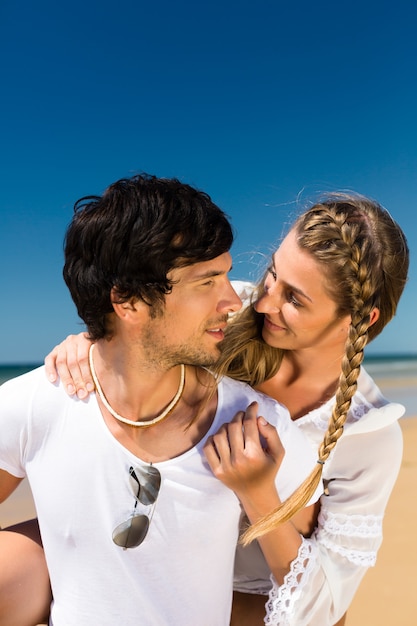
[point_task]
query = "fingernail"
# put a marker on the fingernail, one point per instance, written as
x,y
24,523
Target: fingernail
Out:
x,y
82,393
262,420
52,378
71,390
90,387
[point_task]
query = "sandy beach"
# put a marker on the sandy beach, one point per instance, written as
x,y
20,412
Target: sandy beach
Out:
x,y
387,595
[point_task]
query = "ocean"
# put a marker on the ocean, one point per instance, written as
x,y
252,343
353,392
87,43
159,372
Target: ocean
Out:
x,y
396,375
11,371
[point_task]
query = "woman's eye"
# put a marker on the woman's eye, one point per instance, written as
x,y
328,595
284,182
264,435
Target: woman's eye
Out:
x,y
293,300
272,272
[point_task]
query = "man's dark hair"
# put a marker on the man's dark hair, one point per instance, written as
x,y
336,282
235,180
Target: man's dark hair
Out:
x,y
131,237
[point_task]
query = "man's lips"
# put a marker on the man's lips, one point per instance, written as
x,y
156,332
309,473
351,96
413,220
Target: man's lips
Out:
x,y
217,332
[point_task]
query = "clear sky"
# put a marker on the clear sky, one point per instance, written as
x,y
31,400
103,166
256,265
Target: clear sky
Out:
x,y
262,104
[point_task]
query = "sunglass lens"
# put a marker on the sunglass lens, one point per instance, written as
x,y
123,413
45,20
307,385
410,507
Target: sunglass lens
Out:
x,y
146,482
131,533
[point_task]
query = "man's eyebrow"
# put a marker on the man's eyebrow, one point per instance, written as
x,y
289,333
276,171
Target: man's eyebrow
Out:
x,y
210,274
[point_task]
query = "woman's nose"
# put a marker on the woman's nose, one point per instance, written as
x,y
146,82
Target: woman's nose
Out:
x,y
268,303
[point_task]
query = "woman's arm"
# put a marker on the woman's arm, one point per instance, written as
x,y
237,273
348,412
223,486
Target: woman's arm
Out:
x,y
313,579
245,455
25,593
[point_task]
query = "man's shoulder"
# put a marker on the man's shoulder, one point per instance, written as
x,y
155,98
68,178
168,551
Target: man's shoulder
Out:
x,y
30,388
238,386
24,381
239,394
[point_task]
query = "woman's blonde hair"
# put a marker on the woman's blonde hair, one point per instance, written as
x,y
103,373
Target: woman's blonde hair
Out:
x,y
364,257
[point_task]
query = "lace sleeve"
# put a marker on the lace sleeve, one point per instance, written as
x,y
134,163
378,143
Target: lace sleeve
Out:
x,y
341,549
280,605
353,537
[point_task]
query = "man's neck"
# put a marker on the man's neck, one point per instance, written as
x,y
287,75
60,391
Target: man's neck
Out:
x,y
130,386
141,393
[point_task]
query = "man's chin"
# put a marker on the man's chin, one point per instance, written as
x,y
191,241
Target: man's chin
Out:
x,y
202,359
220,346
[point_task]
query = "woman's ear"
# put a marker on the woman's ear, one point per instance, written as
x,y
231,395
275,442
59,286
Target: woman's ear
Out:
x,y
374,316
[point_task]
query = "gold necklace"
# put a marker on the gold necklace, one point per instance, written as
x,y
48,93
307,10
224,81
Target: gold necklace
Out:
x,y
171,406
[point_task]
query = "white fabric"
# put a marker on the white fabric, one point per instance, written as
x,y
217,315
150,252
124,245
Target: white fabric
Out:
x,y
359,476
78,472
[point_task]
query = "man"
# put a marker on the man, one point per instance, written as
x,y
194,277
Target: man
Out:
x,y
135,527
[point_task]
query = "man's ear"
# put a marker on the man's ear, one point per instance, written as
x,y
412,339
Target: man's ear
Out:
x,y
129,310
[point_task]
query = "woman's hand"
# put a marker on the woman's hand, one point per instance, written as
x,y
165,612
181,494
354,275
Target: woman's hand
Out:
x,y
69,360
245,455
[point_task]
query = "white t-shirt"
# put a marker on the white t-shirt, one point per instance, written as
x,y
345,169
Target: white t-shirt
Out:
x,y
79,475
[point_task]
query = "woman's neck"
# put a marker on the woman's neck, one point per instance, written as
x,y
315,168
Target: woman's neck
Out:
x,y
304,382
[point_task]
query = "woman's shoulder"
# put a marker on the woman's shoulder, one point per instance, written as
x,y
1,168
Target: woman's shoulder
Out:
x,y
369,409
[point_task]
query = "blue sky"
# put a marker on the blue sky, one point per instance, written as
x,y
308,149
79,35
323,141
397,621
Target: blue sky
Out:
x,y
261,104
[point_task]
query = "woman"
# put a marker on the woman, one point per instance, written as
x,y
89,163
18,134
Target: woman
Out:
x,y
333,285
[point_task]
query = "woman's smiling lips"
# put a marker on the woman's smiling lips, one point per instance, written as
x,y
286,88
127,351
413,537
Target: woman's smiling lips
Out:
x,y
271,326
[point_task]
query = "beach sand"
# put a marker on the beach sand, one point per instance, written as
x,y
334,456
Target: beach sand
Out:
x,y
387,595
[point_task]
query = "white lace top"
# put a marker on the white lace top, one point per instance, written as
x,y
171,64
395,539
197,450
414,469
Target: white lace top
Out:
x,y
358,479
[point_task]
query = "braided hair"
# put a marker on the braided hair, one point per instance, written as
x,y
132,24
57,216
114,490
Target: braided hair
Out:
x,y
364,256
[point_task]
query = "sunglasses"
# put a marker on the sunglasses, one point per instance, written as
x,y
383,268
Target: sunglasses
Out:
x,y
145,482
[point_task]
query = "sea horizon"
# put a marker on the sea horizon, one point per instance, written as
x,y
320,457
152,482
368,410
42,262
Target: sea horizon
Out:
x,y
395,374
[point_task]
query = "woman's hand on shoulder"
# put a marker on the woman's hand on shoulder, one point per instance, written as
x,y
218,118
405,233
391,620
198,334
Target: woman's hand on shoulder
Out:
x,y
246,453
69,361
